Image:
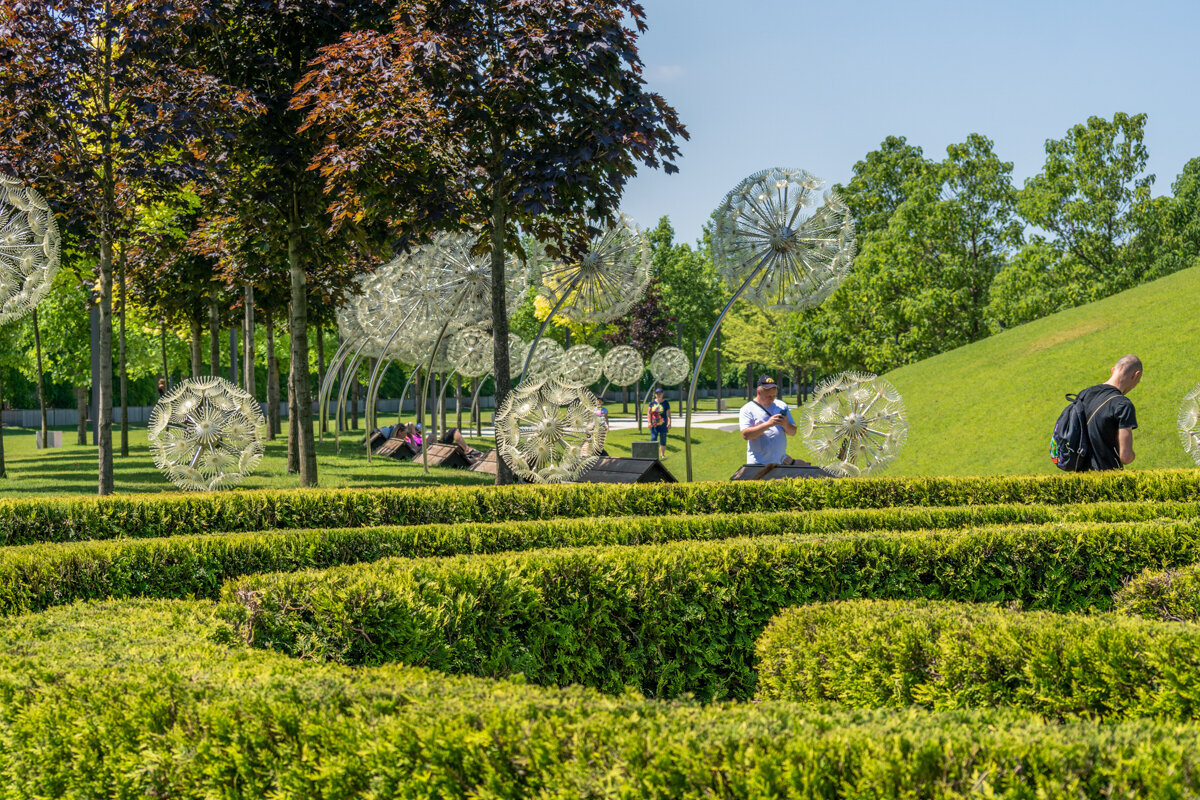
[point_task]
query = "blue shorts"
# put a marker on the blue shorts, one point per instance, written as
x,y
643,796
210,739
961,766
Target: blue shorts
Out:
x,y
659,434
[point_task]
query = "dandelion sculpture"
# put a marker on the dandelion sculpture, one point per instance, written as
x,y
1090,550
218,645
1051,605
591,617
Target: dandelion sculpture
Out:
x,y
669,366
470,352
1189,423
608,281
623,365
547,432
207,434
854,424
29,249
777,247
581,365
543,360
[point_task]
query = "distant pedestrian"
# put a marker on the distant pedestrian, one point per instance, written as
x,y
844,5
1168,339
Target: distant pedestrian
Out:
x,y
659,415
766,423
1111,417
162,387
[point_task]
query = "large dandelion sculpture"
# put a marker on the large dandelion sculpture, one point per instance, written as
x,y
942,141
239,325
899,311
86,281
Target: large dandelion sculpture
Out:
x,y
854,424
543,360
669,366
606,283
547,432
207,434
470,352
29,249
1189,423
776,245
581,365
623,365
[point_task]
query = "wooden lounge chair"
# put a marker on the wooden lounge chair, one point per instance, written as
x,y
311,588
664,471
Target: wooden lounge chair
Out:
x,y
627,470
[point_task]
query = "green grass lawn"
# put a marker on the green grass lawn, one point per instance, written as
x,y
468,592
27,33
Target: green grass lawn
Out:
x,y
72,469
989,407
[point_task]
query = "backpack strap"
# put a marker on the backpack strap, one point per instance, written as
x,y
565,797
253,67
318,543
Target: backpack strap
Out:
x,y
1102,405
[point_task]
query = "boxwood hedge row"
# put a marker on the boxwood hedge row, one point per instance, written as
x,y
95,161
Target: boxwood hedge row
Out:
x,y
1170,595
676,617
132,700
39,576
872,653
29,521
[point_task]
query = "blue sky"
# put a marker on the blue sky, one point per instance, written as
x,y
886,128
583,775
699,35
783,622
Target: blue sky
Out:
x,y
762,83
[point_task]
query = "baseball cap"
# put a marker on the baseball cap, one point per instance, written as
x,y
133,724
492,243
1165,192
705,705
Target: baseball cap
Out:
x,y
658,389
767,380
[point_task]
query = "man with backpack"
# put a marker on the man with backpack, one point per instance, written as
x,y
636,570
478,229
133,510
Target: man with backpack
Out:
x,y
1095,432
659,415
766,423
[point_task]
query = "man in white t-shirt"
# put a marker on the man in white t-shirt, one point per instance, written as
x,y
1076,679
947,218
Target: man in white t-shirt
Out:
x,y
766,423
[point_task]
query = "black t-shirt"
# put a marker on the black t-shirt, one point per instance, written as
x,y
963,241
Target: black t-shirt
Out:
x,y
1106,419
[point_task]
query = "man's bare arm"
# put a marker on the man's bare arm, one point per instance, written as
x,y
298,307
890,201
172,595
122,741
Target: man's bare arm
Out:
x,y
1125,445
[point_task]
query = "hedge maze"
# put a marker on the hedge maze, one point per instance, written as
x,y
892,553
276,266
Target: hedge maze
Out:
x,y
1025,637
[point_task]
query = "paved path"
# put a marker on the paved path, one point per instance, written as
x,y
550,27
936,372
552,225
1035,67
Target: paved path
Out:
x,y
723,421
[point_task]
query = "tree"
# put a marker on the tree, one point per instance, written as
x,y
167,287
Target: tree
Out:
x,y
96,96
881,182
691,290
502,114
1089,195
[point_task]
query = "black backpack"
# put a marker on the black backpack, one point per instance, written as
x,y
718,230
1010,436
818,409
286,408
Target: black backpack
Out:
x,y
1070,446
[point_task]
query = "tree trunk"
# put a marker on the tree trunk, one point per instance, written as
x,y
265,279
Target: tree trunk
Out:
x,y
321,368
624,399
749,382
124,373
293,441
273,428
214,338
3,471
162,341
248,339
499,231
299,336
108,216
719,375
81,404
197,333
41,381
234,356
458,395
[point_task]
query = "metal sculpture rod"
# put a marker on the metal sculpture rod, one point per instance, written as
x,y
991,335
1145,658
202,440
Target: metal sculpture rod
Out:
x,y
373,384
403,392
429,372
327,386
533,345
687,411
340,409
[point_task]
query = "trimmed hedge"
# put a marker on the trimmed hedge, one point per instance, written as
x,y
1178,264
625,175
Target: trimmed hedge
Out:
x,y
672,618
1172,595
873,653
39,576
29,521
130,700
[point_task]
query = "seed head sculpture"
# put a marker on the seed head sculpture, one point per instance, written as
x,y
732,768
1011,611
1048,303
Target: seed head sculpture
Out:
x,y
581,365
771,235
623,365
854,424
29,249
471,352
669,366
775,246
206,434
1189,423
545,360
609,279
548,432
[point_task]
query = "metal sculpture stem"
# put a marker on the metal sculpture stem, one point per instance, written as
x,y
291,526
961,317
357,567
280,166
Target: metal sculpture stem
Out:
x,y
545,322
429,374
687,409
404,392
477,413
373,385
326,386
351,371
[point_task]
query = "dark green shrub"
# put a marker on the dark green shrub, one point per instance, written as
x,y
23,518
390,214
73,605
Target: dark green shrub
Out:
x,y
29,521
671,618
1170,595
873,653
131,700
38,576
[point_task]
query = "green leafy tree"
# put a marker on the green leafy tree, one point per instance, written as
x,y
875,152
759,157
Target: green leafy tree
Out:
x,y
881,182
502,114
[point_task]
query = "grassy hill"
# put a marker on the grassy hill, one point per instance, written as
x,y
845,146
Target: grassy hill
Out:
x,y
989,407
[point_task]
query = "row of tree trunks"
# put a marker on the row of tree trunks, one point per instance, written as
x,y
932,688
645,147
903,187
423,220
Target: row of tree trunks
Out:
x,y
248,339
273,423
124,373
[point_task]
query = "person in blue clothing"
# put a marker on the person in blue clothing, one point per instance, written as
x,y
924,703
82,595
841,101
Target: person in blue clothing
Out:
x,y
659,415
766,423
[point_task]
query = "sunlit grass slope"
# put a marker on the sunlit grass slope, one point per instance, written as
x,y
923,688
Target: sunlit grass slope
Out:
x,y
989,407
